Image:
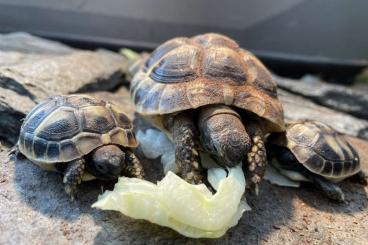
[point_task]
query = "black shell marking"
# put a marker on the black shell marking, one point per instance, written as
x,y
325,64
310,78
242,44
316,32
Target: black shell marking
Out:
x,y
60,125
97,120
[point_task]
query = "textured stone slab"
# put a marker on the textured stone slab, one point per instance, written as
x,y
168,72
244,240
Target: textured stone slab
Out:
x,y
22,86
337,97
26,43
297,107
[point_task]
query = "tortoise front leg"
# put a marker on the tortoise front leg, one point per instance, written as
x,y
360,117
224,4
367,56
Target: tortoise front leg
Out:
x,y
186,156
256,157
73,176
134,167
329,189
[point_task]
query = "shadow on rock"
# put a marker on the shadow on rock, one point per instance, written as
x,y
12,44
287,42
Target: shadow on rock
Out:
x,y
355,198
44,191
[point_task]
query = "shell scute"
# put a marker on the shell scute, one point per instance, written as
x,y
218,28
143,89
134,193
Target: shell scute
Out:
x,y
178,66
53,151
214,39
39,147
164,49
59,125
224,63
69,150
78,101
97,119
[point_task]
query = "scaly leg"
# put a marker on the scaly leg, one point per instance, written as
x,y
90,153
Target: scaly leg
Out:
x,y
186,155
328,188
256,157
360,178
134,167
73,176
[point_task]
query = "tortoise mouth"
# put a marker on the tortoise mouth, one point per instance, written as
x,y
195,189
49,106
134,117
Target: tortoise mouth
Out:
x,y
226,155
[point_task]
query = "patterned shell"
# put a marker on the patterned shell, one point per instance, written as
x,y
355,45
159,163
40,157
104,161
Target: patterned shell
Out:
x,y
321,149
64,128
186,73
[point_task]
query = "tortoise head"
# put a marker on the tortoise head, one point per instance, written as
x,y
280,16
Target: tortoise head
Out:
x,y
223,135
108,162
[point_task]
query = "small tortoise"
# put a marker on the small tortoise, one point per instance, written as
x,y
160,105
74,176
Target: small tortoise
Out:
x,y
208,89
313,151
81,136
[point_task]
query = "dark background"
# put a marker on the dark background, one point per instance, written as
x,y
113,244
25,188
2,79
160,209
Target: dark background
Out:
x,y
292,37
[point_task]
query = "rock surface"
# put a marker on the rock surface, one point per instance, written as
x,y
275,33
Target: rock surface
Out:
x,y
297,107
35,210
26,43
337,97
23,85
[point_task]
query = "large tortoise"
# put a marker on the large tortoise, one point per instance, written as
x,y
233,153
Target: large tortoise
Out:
x,y
313,151
82,137
208,84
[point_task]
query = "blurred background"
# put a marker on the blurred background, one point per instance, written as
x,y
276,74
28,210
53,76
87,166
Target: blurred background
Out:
x,y
328,38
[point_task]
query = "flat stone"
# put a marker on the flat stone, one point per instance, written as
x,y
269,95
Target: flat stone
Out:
x,y
26,43
337,97
23,85
297,107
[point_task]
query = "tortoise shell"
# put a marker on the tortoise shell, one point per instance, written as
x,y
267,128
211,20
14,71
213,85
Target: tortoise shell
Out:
x,y
187,73
321,149
64,128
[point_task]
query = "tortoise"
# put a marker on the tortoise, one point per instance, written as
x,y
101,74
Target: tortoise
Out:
x,y
81,136
313,151
209,94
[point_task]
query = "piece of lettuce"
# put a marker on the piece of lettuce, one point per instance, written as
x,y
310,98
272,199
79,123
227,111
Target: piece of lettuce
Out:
x,y
191,210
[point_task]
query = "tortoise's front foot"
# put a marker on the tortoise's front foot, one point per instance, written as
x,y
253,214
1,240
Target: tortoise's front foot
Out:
x,y
134,167
257,160
360,178
14,152
73,176
329,189
186,155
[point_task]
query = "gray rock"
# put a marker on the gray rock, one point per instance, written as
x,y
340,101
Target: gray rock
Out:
x,y
337,97
27,43
9,58
23,85
297,107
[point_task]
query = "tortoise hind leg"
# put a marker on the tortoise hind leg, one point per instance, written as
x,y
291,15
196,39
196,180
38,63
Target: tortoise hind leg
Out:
x,y
186,156
360,178
329,189
73,176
